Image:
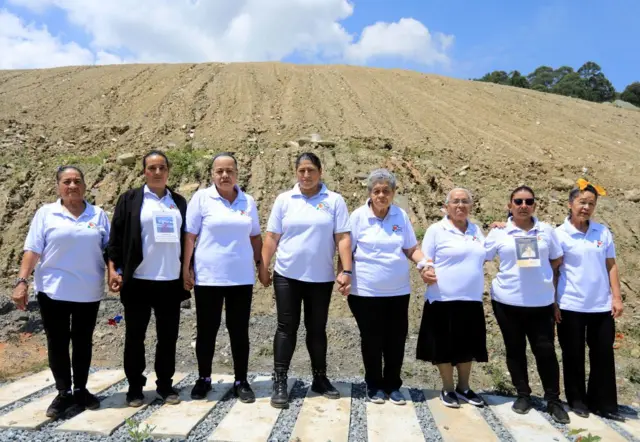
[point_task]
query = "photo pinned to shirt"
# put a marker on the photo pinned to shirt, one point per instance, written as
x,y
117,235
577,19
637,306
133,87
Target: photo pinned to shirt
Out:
x,y
165,227
527,251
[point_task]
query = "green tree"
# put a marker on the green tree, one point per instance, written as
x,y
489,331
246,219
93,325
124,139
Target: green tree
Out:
x,y
542,77
498,77
516,79
600,88
631,94
572,85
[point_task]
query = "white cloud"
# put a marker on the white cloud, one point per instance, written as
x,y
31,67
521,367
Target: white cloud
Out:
x,y
239,30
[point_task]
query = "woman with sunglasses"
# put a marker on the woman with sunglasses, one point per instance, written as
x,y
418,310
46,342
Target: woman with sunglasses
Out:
x,y
588,302
523,295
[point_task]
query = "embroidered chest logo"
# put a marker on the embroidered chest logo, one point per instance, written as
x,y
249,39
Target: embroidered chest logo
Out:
x,y
396,228
475,239
598,244
172,206
539,237
92,226
243,212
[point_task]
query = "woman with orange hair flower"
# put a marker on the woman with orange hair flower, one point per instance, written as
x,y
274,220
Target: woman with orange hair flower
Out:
x,y
588,301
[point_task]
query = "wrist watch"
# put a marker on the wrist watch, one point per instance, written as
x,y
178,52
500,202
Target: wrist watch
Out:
x,y
18,281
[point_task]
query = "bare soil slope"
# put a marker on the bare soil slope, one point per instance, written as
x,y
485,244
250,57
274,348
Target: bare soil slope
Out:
x,y
434,132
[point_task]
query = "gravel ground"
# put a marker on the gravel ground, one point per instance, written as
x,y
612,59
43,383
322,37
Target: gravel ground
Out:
x,y
286,421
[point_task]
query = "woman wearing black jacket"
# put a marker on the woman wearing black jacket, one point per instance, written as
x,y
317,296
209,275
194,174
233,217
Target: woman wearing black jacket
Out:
x,y
145,262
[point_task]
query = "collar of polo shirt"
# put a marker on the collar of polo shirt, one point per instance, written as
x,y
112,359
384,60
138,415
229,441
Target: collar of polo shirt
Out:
x,y
571,230
148,191
393,210
215,194
88,209
323,190
511,227
448,225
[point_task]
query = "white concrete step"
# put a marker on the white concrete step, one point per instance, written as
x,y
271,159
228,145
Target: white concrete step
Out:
x,y
32,416
113,411
323,419
596,426
388,422
25,386
464,424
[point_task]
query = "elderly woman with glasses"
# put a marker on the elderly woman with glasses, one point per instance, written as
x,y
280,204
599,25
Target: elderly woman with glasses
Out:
x,y
382,239
453,332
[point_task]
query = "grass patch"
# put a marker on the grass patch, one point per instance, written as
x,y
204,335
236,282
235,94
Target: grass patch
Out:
x,y
187,163
33,368
420,232
83,160
499,380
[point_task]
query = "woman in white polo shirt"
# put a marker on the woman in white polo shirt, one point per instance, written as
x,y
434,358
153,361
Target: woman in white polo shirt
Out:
x,y
305,226
453,331
65,245
225,222
145,266
382,239
523,294
589,300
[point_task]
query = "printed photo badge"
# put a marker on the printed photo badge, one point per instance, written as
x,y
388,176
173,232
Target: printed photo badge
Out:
x,y
527,252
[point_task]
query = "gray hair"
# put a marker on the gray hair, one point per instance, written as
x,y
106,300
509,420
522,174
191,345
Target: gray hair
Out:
x,y
458,189
381,175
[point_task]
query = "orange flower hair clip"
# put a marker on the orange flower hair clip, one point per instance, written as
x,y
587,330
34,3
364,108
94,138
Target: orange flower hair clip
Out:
x,y
582,184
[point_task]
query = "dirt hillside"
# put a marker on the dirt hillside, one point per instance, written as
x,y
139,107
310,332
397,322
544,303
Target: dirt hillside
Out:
x,y
433,132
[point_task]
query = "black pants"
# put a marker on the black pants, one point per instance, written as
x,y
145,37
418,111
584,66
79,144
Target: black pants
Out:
x,y
237,302
290,294
598,330
536,324
383,324
65,322
163,297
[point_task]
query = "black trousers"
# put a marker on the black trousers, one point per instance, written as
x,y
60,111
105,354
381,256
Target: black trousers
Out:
x,y
237,303
290,294
143,297
66,322
598,330
536,324
383,324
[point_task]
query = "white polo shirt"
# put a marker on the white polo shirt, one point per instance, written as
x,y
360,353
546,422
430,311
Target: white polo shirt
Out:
x,y
380,266
584,280
160,260
458,260
71,265
307,225
523,286
223,254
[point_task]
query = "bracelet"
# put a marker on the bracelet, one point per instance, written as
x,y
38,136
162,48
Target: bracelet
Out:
x,y
18,281
347,272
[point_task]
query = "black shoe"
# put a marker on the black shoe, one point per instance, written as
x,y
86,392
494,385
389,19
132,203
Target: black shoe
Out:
x,y
557,412
321,385
580,410
135,398
168,395
201,388
611,416
242,390
85,400
470,397
62,402
449,399
279,396
522,405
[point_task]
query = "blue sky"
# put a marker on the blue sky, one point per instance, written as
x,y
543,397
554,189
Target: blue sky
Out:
x,y
489,35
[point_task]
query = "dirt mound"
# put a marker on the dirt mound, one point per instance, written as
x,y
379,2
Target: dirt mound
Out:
x,y
434,132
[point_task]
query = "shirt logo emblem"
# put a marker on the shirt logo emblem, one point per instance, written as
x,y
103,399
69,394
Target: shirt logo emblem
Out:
x,y
172,206
475,238
539,237
91,225
321,206
599,244
243,212
396,228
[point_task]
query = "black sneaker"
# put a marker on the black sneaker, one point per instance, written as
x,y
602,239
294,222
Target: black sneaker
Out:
x,y
522,405
280,396
321,385
449,399
201,388
557,412
242,390
62,402
135,398
614,416
376,396
169,395
85,400
580,410
470,397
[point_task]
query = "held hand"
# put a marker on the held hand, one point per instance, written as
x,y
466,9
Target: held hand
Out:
x,y
264,275
428,275
20,296
344,283
115,281
616,308
189,278
556,313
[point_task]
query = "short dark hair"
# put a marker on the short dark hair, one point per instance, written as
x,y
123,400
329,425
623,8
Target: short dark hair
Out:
x,y
152,153
573,194
309,156
63,169
223,155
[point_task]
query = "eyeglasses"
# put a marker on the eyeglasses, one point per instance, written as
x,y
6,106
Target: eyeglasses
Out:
x,y
527,201
459,201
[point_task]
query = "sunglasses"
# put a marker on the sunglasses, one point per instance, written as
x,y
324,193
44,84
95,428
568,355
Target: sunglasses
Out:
x,y
527,201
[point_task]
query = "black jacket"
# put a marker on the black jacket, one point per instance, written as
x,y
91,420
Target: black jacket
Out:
x,y
125,240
